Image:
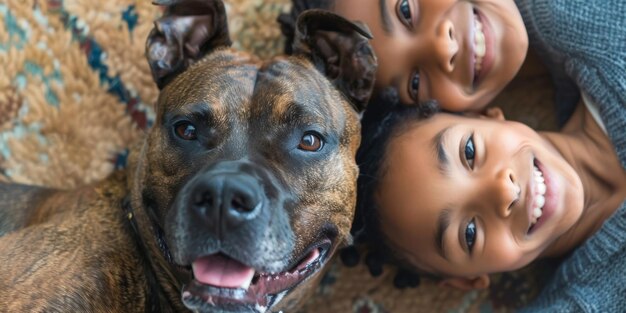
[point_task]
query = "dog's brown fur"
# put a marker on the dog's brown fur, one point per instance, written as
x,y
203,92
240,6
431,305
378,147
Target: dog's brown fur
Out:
x,y
113,247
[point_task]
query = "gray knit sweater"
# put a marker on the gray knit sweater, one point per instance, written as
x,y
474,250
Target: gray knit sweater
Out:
x,y
583,42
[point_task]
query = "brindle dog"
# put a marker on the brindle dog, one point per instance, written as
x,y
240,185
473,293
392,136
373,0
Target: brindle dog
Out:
x,y
234,202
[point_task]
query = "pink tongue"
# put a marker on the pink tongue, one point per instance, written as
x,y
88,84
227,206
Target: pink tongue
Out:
x,y
220,271
313,255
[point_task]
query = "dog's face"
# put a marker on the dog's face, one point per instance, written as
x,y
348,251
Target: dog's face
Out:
x,y
249,170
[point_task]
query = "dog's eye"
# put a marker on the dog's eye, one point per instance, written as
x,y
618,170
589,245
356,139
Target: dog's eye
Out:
x,y
185,130
311,142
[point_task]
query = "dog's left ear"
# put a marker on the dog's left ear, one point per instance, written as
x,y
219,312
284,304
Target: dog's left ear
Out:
x,y
339,49
187,31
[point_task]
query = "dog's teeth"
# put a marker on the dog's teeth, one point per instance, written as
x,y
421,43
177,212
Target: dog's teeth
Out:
x,y
246,284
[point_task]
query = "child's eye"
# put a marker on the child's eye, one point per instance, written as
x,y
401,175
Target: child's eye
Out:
x,y
404,13
414,85
470,235
469,152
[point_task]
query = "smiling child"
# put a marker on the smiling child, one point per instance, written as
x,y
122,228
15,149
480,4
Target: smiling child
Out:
x,y
463,53
467,196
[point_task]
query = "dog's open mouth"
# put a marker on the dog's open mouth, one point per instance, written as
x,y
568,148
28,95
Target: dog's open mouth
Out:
x,y
222,281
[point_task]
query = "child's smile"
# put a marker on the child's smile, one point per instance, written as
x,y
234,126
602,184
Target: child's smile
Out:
x,y
483,47
461,53
466,197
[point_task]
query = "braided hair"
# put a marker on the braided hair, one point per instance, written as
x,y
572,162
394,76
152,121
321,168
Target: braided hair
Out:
x,y
384,119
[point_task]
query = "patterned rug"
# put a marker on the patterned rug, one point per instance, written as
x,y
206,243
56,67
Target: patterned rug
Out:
x,y
76,92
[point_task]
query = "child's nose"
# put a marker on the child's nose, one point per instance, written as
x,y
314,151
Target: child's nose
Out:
x,y
507,191
447,46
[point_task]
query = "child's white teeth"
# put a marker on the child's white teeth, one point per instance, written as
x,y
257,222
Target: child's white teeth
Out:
x,y
540,199
538,175
540,181
479,44
541,187
479,38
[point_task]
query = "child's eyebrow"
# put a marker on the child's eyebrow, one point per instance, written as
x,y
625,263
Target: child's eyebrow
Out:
x,y
442,225
384,17
443,161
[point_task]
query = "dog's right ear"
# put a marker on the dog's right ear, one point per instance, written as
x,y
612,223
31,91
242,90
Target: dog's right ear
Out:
x,y
188,30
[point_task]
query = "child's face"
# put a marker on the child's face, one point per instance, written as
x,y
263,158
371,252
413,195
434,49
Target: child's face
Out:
x,y
430,49
458,195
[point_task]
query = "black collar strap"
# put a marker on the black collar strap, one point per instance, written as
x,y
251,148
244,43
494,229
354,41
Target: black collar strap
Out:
x,y
153,303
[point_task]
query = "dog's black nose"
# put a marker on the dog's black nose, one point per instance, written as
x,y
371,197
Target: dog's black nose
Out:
x,y
227,200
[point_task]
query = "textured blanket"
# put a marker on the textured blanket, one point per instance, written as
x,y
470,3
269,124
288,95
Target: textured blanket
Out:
x,y
76,92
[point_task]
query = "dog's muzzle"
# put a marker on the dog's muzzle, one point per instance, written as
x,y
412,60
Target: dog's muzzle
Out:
x,y
231,229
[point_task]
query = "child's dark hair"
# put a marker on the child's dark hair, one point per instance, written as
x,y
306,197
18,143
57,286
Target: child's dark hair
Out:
x,y
287,21
384,119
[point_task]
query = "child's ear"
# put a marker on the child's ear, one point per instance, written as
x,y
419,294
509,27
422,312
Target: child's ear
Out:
x,y
494,113
467,284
